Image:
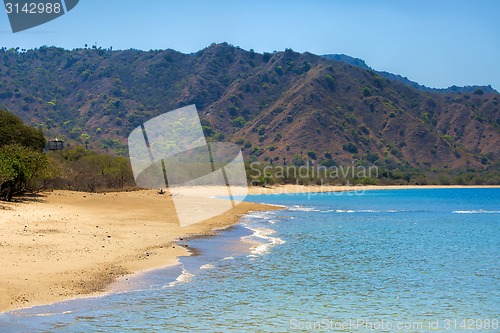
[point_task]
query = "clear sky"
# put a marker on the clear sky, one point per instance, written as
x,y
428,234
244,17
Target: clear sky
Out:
x,y
436,43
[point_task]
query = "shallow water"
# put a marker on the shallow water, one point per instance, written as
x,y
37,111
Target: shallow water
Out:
x,y
340,262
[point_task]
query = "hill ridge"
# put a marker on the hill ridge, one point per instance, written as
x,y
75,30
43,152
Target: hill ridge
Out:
x,y
282,107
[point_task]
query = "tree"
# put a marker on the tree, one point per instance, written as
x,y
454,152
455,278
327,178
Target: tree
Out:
x,y
312,154
330,81
239,122
21,158
19,168
266,56
14,131
366,91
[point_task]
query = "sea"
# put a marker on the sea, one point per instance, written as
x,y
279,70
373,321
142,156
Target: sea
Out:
x,y
412,260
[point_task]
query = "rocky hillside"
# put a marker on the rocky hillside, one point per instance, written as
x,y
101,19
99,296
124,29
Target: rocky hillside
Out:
x,y
282,106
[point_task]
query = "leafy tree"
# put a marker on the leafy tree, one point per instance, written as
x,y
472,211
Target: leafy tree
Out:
x,y
14,131
298,160
21,160
328,163
350,147
266,56
239,122
312,154
19,167
279,70
330,81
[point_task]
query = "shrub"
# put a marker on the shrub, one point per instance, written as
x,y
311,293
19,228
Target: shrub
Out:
x,y
350,147
447,137
279,70
364,129
330,81
266,56
328,163
371,157
298,160
262,129
312,154
239,122
366,91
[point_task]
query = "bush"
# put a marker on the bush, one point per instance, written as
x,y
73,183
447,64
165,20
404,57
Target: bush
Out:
x,y
312,154
366,91
298,160
330,81
328,163
233,110
239,122
279,70
350,147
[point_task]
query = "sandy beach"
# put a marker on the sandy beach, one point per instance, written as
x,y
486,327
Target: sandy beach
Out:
x,y
62,244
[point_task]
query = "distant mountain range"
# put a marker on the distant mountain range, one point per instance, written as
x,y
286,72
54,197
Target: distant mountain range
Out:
x,y
284,107
362,64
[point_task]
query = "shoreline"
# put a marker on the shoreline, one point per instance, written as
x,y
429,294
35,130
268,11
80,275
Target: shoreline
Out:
x,y
106,239
67,245
299,189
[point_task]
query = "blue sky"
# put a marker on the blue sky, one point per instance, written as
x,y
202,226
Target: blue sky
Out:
x,y
436,43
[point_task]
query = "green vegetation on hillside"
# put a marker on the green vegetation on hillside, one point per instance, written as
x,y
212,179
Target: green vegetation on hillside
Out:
x,y
281,107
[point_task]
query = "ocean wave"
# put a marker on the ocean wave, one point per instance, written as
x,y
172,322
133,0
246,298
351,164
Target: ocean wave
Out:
x,y
262,241
480,211
363,211
207,266
264,215
298,208
183,278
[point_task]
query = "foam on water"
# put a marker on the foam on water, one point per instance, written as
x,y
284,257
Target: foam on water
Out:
x,y
183,278
299,208
476,211
262,239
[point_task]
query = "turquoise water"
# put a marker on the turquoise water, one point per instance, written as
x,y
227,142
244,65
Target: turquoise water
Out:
x,y
402,260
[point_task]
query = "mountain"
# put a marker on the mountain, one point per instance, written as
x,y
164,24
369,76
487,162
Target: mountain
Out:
x,y
395,77
283,107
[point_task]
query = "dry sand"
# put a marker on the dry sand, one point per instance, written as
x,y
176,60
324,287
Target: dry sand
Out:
x,y
65,244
